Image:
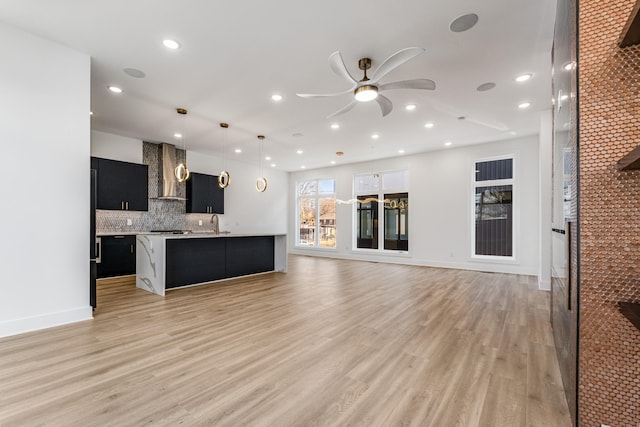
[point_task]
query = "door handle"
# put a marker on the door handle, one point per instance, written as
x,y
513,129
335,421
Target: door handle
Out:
x,y
98,250
122,205
127,205
131,248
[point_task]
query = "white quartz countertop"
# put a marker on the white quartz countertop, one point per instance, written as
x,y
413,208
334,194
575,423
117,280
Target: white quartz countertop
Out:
x,y
205,234
117,233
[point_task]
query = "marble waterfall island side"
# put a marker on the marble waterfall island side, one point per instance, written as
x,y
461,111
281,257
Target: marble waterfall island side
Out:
x,y
167,261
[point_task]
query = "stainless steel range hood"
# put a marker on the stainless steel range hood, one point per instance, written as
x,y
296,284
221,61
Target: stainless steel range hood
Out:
x,y
168,163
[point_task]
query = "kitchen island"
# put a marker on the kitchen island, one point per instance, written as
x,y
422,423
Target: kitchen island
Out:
x,y
167,261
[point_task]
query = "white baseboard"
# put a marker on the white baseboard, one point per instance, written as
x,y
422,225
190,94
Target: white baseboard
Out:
x,y
49,320
544,285
408,260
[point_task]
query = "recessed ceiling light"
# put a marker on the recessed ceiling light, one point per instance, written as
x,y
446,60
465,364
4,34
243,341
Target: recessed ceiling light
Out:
x,y
299,152
171,44
524,105
463,23
448,143
115,89
375,136
267,158
273,165
134,72
335,126
410,107
523,77
333,162
238,150
303,167
177,135
401,151
486,86
513,133
276,97
429,125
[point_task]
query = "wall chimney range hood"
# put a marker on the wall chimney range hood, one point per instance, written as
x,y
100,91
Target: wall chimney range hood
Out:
x,y
166,167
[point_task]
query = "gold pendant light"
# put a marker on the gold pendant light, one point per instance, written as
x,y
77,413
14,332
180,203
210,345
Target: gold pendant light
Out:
x,y
181,171
261,182
224,179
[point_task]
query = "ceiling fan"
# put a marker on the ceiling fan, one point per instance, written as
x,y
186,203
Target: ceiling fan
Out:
x,y
366,89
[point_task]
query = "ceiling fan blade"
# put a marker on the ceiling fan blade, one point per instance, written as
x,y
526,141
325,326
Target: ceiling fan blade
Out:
x,y
344,109
337,65
323,95
385,104
394,61
424,84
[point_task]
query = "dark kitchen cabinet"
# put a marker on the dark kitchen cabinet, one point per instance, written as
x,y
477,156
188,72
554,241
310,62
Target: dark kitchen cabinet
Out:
x,y
117,255
190,261
201,260
204,195
249,255
121,185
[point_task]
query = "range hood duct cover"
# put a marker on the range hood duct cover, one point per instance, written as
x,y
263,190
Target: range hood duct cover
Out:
x,y
168,162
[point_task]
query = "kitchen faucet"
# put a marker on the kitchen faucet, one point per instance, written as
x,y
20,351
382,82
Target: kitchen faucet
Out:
x,y
216,223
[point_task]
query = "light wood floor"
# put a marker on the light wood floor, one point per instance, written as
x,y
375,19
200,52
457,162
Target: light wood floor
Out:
x,y
331,343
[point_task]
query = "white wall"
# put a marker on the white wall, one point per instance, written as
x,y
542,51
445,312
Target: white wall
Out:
x,y
440,200
44,276
116,147
546,173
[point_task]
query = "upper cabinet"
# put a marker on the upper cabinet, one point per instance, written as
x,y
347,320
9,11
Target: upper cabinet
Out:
x,y
204,195
121,185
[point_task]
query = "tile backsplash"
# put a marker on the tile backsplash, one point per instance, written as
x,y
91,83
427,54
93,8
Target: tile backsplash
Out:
x,y
162,214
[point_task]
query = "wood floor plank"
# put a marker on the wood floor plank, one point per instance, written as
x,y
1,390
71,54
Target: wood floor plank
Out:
x,y
330,343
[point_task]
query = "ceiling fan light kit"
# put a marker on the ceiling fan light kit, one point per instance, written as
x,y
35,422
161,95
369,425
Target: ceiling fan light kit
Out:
x,y
366,89
366,93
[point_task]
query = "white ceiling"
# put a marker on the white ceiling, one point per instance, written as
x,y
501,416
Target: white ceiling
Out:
x,y
236,54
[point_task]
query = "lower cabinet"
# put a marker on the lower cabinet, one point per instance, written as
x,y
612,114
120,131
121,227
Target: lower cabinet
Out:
x,y
249,255
117,256
191,261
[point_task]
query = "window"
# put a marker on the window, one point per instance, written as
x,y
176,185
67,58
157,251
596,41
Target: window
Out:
x,y
396,221
493,211
367,212
316,201
382,195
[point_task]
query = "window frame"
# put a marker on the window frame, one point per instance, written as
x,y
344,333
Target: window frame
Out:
x,y
317,197
515,208
380,250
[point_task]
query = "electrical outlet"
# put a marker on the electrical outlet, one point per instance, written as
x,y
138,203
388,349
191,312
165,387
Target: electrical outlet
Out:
x,y
129,222
199,222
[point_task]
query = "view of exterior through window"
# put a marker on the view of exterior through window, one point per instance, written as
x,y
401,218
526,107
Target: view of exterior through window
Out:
x,y
382,195
494,208
367,219
396,221
316,213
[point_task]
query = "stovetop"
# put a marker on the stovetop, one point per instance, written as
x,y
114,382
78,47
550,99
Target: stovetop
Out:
x,y
171,231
